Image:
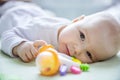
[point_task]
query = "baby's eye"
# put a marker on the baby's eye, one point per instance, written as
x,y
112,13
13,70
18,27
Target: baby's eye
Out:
x,y
89,54
82,36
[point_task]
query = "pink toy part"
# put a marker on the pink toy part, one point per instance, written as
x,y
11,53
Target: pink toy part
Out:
x,y
75,70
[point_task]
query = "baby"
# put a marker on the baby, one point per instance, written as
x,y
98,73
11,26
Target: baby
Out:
x,y
90,38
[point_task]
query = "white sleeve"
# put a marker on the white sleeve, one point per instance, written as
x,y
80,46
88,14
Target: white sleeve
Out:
x,y
13,18
10,39
10,20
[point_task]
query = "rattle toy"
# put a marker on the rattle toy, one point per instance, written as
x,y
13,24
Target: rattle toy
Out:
x,y
47,60
50,62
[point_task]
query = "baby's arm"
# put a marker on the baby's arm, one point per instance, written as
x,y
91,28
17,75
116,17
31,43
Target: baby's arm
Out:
x,y
14,36
9,40
16,45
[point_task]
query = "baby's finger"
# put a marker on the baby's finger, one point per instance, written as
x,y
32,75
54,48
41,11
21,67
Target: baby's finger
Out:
x,y
39,43
34,52
29,55
24,58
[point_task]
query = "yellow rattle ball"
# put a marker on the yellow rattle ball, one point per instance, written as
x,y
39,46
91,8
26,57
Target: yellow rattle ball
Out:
x,y
47,60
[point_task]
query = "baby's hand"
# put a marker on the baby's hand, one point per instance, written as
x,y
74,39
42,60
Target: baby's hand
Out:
x,y
27,51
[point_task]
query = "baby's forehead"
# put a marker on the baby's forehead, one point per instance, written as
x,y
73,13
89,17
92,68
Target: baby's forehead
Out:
x,y
102,24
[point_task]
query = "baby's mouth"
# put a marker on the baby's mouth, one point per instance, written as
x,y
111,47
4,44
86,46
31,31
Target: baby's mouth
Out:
x,y
67,51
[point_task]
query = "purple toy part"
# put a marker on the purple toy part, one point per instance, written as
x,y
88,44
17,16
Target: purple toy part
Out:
x,y
63,70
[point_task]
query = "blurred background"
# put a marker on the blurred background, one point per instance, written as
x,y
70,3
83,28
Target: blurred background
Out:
x,y
74,8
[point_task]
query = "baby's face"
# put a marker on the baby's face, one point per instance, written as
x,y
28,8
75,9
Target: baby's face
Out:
x,y
91,39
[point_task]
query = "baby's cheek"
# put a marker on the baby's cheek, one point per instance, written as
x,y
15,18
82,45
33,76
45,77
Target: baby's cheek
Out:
x,y
61,48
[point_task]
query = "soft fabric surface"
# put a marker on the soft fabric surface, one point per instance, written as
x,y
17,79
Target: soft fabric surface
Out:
x,y
15,69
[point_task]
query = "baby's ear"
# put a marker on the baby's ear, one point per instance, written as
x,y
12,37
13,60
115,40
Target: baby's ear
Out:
x,y
78,18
